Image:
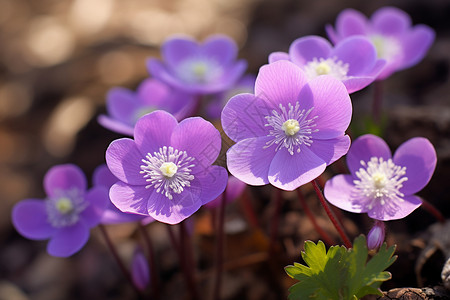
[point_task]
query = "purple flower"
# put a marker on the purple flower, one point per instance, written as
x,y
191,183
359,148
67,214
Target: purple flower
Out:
x,y
289,130
235,188
396,40
125,107
245,85
140,273
166,171
66,215
381,185
375,237
112,215
205,68
353,61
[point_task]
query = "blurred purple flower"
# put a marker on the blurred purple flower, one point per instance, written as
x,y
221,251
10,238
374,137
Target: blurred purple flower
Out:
x,y
245,85
381,185
66,215
195,68
103,177
353,61
289,130
140,273
125,107
396,40
375,237
166,171
235,188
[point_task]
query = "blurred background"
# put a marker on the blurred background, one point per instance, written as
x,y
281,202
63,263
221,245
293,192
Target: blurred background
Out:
x,y
58,58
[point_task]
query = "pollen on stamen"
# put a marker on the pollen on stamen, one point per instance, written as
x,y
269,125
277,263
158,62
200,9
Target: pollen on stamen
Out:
x,y
290,128
330,66
168,171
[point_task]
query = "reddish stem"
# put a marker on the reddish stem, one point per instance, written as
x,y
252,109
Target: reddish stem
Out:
x,y
328,240
433,210
247,207
330,214
275,221
377,101
219,248
151,260
187,261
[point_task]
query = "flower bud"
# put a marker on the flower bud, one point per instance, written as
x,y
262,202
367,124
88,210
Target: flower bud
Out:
x,y
375,237
140,273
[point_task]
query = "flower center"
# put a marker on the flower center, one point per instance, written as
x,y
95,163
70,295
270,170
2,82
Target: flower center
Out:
x,y
199,70
387,47
329,66
379,182
65,207
168,171
290,128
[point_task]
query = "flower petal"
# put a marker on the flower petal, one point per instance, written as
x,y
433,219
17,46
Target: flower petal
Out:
x,y
351,22
279,83
276,56
288,172
200,139
219,48
358,52
244,117
115,125
130,198
68,240
64,177
419,158
176,50
402,209
122,104
364,148
390,21
249,160
153,131
213,182
102,176
29,217
416,44
338,192
173,211
124,160
332,149
305,49
98,199
332,106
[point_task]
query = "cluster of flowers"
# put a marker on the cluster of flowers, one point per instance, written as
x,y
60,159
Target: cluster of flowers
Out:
x,y
288,125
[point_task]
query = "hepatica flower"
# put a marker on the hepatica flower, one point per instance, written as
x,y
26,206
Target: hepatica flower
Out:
x,y
352,61
166,171
125,107
396,40
205,68
112,215
66,215
289,130
381,185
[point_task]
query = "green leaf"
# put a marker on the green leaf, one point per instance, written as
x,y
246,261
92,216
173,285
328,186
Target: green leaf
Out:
x,y
339,273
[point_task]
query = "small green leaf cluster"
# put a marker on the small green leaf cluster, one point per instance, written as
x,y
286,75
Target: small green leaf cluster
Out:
x,y
340,273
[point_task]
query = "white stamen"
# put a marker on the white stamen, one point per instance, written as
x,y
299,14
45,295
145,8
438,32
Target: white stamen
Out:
x,y
199,70
379,183
65,207
328,66
387,47
168,171
291,128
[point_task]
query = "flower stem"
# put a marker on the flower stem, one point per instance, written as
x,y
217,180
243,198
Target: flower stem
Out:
x,y
377,102
151,260
275,222
328,240
433,210
187,261
117,258
330,214
219,248
247,207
